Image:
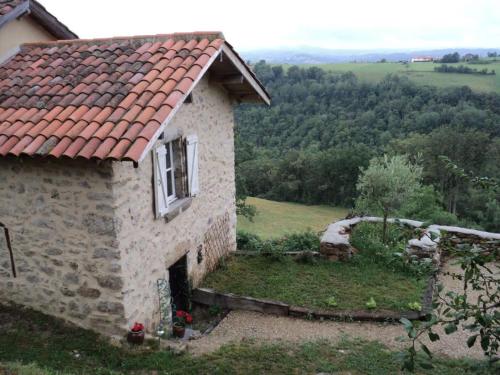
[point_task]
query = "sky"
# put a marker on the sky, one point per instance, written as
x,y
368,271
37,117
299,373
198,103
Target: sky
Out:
x,y
268,24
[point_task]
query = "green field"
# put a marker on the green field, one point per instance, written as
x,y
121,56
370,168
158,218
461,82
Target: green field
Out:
x,y
275,219
422,73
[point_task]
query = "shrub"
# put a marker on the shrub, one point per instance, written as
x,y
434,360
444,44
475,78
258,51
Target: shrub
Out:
x,y
247,241
306,241
275,249
367,238
426,204
272,251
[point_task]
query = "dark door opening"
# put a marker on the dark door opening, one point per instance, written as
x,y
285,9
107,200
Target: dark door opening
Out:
x,y
179,284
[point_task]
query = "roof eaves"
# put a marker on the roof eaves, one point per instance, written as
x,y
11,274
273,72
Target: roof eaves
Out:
x,y
15,13
50,22
247,72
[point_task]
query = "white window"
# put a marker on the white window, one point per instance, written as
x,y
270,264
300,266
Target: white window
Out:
x,y
169,170
175,173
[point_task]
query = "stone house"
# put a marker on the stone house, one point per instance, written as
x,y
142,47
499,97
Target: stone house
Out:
x,y
117,182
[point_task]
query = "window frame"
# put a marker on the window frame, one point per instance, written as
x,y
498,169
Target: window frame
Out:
x,y
170,154
176,171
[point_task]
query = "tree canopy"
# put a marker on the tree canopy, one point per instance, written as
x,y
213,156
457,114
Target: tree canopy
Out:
x,y
323,127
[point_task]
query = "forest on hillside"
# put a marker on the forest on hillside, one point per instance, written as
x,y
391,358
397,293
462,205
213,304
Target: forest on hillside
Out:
x,y
322,127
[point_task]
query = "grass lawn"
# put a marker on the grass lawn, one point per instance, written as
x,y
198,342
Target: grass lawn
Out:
x,y
373,272
310,285
422,73
275,219
34,344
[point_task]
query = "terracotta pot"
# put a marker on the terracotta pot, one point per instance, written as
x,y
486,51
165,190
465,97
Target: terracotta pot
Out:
x,y
136,338
179,331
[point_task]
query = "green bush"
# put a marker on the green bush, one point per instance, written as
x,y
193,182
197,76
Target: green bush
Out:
x,y
306,241
367,238
426,204
247,241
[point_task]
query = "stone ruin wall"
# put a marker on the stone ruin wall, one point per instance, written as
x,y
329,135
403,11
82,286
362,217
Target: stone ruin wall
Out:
x,y
335,244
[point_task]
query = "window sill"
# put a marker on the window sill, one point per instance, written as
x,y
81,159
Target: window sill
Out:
x,y
177,207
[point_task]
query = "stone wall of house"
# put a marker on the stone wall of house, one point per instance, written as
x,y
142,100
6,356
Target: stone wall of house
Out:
x,y
63,233
149,246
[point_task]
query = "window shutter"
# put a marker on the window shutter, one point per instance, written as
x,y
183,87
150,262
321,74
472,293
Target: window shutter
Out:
x,y
160,180
192,164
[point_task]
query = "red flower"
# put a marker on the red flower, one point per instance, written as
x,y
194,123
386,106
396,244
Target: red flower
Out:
x,y
137,327
184,315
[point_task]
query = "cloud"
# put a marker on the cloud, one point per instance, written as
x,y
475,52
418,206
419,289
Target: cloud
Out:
x,y
356,24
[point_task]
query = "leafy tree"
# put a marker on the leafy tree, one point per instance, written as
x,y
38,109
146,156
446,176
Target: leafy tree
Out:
x,y
322,127
451,58
459,143
386,184
426,204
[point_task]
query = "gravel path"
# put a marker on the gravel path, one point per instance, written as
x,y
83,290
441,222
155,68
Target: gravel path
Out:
x,y
245,325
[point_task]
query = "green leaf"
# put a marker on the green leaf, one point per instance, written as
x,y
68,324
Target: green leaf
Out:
x,y
412,333
426,350
407,323
433,336
485,342
471,341
450,328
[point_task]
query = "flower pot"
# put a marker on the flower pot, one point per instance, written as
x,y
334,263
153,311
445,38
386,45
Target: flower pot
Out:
x,y
179,330
135,337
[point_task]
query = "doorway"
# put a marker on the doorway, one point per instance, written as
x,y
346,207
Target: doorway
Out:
x,y
179,284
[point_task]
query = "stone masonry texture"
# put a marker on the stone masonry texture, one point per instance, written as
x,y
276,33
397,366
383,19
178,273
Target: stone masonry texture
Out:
x,y
86,243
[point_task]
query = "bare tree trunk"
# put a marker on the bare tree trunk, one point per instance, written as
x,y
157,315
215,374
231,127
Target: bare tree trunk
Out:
x,y
384,230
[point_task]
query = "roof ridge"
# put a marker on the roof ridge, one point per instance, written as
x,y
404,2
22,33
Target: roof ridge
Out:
x,y
210,35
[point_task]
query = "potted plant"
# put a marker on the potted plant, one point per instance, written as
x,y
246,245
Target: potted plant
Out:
x,y
181,319
136,334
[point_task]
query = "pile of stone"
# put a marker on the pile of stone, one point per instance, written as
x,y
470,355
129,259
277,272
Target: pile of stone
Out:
x,y
427,246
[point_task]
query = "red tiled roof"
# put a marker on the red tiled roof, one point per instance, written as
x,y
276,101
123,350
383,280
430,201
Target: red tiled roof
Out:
x,y
102,98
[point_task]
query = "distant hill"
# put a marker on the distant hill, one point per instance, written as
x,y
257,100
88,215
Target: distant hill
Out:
x,y
313,55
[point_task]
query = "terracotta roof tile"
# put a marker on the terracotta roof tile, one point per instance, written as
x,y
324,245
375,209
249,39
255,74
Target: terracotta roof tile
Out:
x,y
75,147
101,98
104,148
35,145
59,149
